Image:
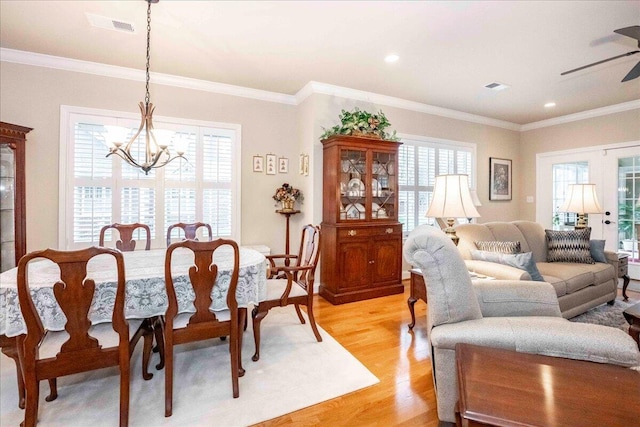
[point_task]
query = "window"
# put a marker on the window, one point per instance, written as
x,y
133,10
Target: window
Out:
x,y
563,175
420,161
97,190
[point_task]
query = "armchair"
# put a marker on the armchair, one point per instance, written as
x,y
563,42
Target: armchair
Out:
x,y
518,315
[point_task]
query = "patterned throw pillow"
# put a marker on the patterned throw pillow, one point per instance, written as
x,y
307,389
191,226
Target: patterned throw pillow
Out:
x,y
497,246
569,246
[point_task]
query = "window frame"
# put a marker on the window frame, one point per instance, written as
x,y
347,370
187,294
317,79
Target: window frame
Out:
x,y
67,179
437,143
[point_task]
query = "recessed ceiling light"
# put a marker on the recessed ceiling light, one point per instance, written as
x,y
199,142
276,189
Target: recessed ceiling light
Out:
x,y
549,105
391,58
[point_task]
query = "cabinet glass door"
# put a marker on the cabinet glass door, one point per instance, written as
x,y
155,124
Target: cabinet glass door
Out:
x,y
353,179
383,185
7,208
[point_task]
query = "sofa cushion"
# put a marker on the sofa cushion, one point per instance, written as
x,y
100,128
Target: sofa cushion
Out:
x,y
523,261
535,238
569,246
576,276
499,246
596,248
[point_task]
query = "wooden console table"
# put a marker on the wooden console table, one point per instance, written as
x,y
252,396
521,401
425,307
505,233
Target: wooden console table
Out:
x,y
623,273
418,291
504,387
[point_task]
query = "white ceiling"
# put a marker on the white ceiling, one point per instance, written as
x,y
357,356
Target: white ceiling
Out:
x,y
448,50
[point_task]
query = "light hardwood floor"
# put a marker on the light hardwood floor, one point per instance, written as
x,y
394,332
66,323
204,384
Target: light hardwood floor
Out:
x,y
375,332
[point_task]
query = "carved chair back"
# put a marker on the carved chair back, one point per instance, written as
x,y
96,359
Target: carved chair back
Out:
x,y
126,242
190,230
81,352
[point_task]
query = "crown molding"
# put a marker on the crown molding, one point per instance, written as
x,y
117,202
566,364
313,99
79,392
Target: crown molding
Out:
x,y
359,95
68,64
611,109
313,87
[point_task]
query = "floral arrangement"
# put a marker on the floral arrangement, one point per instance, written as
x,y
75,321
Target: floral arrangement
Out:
x,y
288,193
358,122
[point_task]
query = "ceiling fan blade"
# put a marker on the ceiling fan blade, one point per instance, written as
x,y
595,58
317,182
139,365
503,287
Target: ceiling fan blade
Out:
x,y
633,32
633,74
601,62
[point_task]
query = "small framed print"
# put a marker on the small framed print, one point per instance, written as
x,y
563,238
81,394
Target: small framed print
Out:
x,y
258,164
499,179
301,164
306,165
283,165
271,164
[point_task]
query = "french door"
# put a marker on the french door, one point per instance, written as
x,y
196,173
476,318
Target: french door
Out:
x,y
615,171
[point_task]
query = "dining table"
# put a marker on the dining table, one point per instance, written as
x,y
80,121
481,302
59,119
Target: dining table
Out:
x,y
145,292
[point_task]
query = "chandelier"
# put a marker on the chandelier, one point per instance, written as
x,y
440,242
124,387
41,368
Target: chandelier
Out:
x,y
156,148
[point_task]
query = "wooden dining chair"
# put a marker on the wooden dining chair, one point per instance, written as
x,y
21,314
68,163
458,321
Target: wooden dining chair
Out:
x,y
204,323
190,230
291,284
126,242
81,347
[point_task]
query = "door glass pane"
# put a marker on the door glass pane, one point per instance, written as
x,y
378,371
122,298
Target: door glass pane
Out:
x,y
629,205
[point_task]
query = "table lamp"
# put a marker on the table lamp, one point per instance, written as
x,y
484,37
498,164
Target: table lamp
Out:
x,y
452,199
581,199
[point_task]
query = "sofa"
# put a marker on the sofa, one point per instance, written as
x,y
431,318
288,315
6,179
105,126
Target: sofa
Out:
x,y
578,286
517,315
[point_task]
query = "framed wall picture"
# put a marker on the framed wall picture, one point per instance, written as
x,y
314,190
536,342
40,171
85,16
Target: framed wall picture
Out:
x,y
271,164
499,179
301,164
306,165
258,164
283,165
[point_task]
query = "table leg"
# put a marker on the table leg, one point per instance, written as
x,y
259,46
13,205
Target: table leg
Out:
x,y
625,283
411,301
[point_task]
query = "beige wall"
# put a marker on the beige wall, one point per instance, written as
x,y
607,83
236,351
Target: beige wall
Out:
x,y
603,130
31,96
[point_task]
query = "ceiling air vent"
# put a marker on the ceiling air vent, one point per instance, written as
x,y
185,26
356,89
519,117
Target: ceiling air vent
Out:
x,y
110,23
497,86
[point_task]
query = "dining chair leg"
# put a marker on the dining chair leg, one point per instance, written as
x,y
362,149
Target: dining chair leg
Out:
x,y
146,354
257,316
9,348
234,343
33,397
168,377
125,384
299,313
312,321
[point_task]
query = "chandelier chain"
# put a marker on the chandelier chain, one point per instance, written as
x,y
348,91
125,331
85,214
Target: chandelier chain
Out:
x,y
146,96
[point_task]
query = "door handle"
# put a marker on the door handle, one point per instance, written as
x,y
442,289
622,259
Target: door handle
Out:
x,y
609,222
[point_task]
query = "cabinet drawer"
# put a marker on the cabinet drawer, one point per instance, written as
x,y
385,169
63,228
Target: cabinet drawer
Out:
x,y
384,230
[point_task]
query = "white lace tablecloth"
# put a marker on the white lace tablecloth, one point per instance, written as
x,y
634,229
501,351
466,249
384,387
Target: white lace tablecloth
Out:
x,y
146,295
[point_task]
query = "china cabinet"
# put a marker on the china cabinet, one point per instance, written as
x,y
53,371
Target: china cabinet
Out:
x,y
12,195
361,236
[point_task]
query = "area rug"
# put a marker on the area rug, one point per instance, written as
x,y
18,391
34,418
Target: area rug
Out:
x,y
608,315
294,371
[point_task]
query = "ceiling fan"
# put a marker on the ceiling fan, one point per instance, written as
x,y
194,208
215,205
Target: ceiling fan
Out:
x,y
634,33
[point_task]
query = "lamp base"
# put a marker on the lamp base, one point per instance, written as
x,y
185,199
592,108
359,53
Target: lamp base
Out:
x,y
451,232
581,223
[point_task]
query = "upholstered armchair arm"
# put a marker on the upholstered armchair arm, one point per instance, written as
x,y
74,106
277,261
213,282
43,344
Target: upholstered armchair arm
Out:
x,y
510,298
499,271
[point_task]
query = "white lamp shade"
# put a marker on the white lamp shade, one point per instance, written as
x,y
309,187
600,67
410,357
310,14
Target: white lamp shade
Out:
x,y
452,198
582,199
475,198
115,135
